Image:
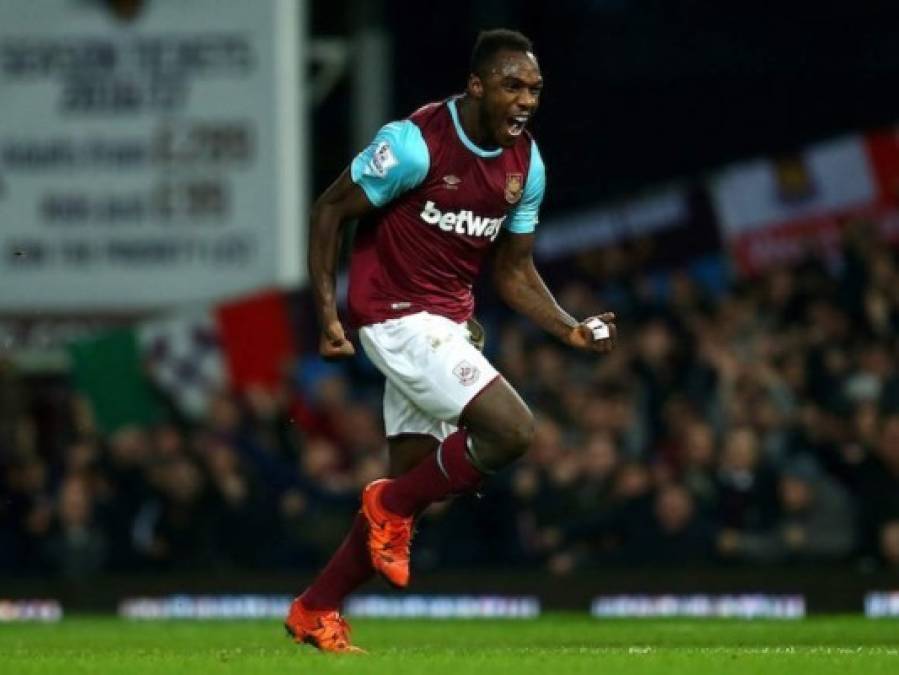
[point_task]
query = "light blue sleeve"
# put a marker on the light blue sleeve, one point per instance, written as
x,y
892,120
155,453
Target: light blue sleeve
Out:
x,y
395,161
525,215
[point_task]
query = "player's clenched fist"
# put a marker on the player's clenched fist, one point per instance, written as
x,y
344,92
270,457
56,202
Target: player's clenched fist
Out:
x,y
333,343
596,333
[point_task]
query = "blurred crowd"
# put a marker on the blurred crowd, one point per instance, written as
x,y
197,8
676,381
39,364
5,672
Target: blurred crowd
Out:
x,y
756,424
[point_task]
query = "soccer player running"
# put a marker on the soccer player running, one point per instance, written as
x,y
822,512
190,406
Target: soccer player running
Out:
x,y
434,193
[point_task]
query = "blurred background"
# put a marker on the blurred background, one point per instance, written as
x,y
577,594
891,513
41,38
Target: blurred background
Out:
x,y
722,176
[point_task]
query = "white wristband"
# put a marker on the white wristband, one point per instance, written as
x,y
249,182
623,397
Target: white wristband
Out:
x,y
600,328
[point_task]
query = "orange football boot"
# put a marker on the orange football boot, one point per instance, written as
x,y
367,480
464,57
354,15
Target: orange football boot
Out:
x,y
389,536
325,629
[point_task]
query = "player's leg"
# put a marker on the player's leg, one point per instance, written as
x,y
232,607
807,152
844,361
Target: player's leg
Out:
x,y
314,616
500,426
433,362
412,436
407,450
348,568
497,429
434,372
430,360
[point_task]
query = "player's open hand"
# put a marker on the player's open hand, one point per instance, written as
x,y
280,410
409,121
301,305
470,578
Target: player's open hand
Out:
x,y
596,333
333,343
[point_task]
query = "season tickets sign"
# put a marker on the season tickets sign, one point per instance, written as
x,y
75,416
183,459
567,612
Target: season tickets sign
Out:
x,y
148,161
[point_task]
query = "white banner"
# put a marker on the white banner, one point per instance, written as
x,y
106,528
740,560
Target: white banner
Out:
x,y
151,161
824,178
775,212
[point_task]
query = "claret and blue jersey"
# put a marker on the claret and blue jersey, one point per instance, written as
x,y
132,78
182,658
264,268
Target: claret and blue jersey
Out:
x,y
442,201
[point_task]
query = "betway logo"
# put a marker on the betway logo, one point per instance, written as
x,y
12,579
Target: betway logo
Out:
x,y
463,222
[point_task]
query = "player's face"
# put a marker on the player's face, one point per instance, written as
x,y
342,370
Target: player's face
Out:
x,y
509,94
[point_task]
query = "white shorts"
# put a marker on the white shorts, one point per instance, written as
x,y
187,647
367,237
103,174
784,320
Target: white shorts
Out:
x,y
432,372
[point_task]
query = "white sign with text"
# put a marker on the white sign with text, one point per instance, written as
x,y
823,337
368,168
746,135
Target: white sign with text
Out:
x,y
149,161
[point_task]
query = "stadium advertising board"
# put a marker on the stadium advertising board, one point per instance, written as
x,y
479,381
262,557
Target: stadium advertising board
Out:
x,y
882,604
148,161
12,611
754,606
444,607
668,217
264,606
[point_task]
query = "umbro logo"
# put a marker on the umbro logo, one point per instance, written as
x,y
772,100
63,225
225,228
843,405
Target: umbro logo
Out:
x,y
451,182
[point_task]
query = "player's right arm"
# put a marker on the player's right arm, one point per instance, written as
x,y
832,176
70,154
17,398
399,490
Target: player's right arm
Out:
x,y
396,161
344,200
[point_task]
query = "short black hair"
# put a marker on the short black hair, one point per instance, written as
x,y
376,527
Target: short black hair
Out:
x,y
490,42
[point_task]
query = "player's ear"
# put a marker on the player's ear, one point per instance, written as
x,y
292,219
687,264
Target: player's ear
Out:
x,y
475,86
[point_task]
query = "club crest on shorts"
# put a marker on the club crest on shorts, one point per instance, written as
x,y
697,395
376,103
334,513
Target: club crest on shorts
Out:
x,y
514,187
466,373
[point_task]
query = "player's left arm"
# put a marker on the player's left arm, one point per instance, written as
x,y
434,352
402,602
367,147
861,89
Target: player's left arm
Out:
x,y
521,287
519,283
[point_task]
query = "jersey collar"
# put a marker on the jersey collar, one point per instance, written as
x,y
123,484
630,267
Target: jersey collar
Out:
x,y
466,141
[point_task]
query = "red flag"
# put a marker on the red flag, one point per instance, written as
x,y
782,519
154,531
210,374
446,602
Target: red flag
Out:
x,y
883,152
257,339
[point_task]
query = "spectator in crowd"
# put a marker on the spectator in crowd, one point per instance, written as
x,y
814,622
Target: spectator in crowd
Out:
x,y
694,462
173,528
125,489
815,521
877,483
76,546
746,483
27,513
677,532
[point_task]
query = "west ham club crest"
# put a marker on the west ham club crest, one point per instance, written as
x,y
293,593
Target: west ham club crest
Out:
x,y
514,187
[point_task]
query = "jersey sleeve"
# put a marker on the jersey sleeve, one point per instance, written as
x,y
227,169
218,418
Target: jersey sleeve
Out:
x,y
394,162
525,215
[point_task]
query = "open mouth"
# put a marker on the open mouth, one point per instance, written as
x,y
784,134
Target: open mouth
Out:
x,y
515,124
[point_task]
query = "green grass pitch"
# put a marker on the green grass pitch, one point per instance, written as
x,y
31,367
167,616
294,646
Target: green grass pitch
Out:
x,y
553,644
